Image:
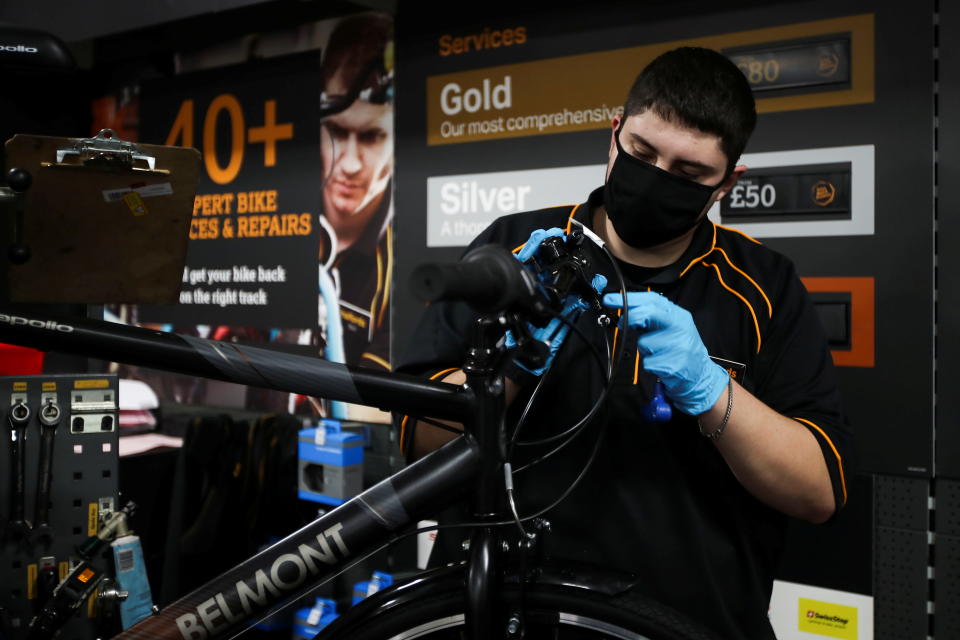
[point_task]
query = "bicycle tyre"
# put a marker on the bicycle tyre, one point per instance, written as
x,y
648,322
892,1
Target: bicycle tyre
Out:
x,y
435,612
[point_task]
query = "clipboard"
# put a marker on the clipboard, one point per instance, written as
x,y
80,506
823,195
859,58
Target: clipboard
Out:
x,y
105,220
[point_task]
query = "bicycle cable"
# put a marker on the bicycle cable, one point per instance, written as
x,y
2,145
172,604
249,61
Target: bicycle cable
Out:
x,y
575,429
603,394
522,420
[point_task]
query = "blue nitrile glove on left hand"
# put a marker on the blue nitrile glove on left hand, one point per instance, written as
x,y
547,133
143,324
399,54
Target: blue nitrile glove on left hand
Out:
x,y
555,331
533,243
673,351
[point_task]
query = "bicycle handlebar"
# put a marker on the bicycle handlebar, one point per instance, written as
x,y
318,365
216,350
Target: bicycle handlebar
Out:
x,y
488,278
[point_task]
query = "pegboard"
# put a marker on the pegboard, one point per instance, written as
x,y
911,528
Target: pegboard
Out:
x,y
901,585
948,507
83,487
901,503
946,618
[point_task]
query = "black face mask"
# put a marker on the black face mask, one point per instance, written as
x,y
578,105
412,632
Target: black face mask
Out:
x,y
649,206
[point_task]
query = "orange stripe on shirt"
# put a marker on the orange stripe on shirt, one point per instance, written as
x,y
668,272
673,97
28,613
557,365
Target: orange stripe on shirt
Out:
x,y
375,358
403,423
570,219
754,240
753,314
752,281
843,482
713,245
566,229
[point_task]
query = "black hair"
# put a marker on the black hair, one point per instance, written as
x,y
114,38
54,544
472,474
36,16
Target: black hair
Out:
x,y
356,50
699,88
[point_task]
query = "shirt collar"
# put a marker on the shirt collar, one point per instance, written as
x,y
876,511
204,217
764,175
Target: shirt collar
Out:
x,y
701,245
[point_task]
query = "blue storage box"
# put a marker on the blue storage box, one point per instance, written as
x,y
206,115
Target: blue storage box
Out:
x,y
330,463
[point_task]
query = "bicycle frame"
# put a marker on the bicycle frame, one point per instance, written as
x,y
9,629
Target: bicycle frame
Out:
x,y
289,568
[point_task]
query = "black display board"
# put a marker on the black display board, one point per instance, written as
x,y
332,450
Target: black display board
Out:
x,y
255,215
890,264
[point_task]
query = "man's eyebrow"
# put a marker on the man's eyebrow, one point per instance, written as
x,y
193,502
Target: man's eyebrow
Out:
x,y
637,138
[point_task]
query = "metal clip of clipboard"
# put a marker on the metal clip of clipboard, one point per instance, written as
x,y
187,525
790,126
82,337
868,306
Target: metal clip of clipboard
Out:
x,y
105,151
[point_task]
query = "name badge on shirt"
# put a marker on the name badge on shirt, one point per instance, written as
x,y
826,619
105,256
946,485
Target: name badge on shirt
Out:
x,y
737,370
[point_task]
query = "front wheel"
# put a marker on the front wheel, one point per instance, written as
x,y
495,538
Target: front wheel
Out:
x,y
434,609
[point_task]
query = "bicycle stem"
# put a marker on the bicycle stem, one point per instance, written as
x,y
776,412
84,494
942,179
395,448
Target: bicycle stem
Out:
x,y
487,427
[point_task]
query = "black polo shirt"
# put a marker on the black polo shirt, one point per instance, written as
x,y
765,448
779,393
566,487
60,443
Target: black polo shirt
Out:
x,y
659,500
364,272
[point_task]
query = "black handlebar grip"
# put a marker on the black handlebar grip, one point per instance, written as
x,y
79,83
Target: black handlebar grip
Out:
x,y
489,278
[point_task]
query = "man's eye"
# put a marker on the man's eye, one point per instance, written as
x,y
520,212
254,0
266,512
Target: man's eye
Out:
x,y
337,132
371,137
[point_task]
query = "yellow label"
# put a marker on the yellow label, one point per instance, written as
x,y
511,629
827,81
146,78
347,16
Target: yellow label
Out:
x,y
827,619
91,384
64,570
31,582
136,204
93,519
524,99
19,386
49,386
85,575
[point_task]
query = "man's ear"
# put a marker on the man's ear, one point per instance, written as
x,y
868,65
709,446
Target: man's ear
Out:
x,y
731,180
614,125
612,151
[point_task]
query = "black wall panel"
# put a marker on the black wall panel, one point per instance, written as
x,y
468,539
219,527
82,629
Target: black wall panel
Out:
x,y
895,434
948,255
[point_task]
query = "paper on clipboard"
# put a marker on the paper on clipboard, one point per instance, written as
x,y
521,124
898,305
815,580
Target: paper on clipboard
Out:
x,y
105,220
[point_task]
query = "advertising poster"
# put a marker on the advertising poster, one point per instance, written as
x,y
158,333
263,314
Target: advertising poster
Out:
x,y
291,236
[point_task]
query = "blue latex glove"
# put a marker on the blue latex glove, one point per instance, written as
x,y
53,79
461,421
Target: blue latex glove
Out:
x,y
534,241
555,331
673,351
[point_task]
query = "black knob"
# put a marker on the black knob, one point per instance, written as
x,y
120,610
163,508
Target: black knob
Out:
x,y
19,179
18,253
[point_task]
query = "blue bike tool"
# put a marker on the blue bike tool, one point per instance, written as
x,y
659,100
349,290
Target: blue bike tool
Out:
x,y
658,409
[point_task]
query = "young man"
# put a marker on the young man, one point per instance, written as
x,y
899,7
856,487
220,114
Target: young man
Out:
x,y
695,507
356,148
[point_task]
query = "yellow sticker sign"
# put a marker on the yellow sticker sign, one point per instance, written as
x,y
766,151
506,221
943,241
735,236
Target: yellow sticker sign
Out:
x,y
93,519
827,619
91,384
135,203
49,386
19,386
32,582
